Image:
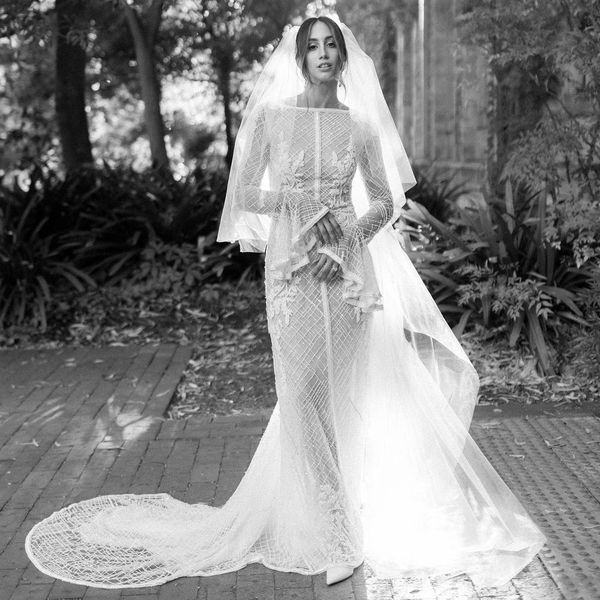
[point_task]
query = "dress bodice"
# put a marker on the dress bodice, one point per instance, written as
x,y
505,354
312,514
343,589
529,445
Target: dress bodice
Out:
x,y
300,164
323,159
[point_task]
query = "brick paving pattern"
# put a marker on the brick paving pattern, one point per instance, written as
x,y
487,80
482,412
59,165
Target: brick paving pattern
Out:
x,y
76,423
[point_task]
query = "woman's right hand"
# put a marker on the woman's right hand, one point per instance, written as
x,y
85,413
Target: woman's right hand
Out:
x,y
327,230
325,268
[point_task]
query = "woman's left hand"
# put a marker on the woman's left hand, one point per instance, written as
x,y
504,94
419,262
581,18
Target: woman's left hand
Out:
x,y
327,230
324,268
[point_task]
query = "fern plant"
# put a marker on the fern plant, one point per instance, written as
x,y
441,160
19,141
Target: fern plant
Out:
x,y
493,263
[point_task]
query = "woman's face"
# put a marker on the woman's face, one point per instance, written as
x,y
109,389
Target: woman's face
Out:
x,y
322,57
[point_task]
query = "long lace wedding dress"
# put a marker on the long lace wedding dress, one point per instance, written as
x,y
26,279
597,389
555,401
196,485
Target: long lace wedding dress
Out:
x,y
367,454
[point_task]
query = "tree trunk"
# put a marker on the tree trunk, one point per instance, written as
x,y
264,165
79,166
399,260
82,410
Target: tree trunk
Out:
x,y
143,40
389,61
224,87
492,130
70,89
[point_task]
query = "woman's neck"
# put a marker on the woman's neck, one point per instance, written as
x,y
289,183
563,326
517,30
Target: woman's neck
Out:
x,y
319,96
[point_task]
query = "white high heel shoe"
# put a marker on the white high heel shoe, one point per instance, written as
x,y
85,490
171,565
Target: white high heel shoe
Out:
x,y
337,573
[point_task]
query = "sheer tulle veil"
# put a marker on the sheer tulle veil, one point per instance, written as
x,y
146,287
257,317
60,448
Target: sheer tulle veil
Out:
x,y
282,79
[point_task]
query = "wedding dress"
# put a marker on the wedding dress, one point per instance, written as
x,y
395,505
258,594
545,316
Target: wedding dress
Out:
x,y
367,454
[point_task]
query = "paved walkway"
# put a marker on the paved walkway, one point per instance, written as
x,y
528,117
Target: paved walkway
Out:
x,y
75,423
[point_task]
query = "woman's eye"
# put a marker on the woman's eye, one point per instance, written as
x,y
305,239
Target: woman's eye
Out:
x,y
315,46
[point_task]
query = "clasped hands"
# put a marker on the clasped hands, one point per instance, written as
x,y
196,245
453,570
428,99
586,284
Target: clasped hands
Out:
x,y
326,231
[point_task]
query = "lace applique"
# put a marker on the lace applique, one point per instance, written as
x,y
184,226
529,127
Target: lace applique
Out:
x,y
289,166
295,166
343,167
283,293
335,524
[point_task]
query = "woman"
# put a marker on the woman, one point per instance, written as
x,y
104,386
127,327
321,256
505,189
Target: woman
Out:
x,y
367,454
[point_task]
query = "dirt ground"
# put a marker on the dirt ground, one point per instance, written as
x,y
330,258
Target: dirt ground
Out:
x,y
231,370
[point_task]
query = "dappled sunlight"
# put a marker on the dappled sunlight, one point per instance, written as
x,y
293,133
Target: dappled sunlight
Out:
x,y
47,415
120,424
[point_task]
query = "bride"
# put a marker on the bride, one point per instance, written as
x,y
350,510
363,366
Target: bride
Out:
x,y
367,455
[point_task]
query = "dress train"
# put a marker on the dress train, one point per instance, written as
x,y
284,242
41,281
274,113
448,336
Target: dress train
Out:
x,y
387,473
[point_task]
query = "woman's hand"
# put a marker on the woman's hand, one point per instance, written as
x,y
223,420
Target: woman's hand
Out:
x,y
327,230
324,268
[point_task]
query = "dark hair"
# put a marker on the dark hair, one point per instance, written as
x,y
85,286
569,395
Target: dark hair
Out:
x,y
302,43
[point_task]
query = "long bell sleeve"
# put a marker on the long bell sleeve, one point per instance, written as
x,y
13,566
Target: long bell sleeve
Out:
x,y
351,252
381,206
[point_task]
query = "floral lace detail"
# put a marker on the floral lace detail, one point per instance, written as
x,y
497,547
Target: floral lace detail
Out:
x,y
290,167
282,294
341,183
335,527
340,189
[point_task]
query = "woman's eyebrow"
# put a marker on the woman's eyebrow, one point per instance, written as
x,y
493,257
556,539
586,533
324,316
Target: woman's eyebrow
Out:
x,y
317,39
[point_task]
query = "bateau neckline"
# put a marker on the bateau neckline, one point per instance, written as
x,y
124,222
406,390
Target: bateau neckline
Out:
x,y
344,110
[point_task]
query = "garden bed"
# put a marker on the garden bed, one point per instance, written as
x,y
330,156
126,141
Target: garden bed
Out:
x,y
231,369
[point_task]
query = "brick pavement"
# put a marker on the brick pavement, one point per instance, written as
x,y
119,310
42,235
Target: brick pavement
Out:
x,y
75,423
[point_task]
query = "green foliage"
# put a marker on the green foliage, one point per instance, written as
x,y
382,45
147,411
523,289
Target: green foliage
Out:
x,y
537,263
556,45
179,271
436,191
95,217
201,51
165,269
492,264
111,227
590,297
27,120
34,261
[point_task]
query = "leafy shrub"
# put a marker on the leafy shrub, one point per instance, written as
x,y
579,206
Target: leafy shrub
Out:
x,y
493,264
436,191
106,226
178,271
33,261
101,231
176,211
555,46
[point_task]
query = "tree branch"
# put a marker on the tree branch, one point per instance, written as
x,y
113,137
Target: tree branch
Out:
x,y
154,19
135,24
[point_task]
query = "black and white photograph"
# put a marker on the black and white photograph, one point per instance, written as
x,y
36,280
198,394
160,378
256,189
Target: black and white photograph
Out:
x,y
300,300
